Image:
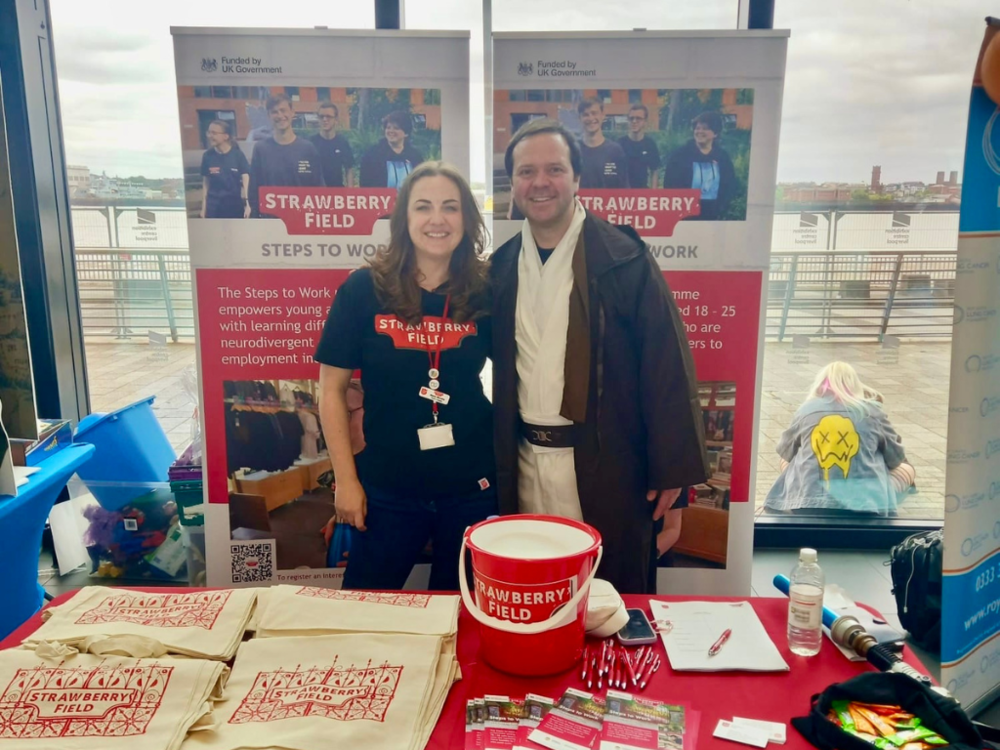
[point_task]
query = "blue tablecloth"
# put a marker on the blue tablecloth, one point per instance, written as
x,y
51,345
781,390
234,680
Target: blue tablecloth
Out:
x,y
22,521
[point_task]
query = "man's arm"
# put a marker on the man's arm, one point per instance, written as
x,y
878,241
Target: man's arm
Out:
x,y
667,538
349,180
204,195
668,388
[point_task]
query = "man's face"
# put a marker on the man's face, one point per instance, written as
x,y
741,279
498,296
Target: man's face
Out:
x,y
281,116
328,121
592,118
543,182
216,136
703,135
394,134
636,121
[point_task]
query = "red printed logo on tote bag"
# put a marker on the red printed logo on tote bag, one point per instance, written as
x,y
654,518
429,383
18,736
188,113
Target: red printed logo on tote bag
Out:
x,y
82,702
338,693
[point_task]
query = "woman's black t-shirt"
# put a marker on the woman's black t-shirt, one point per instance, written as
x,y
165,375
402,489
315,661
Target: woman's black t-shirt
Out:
x,y
392,356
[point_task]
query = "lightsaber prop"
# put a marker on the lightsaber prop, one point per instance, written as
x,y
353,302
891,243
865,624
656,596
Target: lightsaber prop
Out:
x,y
846,631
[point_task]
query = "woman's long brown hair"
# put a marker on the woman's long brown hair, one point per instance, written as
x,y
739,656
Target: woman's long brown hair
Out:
x,y
394,270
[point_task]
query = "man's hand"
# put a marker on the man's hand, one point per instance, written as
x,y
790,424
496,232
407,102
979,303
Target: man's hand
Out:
x,y
665,500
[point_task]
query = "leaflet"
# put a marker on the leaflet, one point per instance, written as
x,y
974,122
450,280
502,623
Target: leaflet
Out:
x,y
536,708
574,723
503,715
633,723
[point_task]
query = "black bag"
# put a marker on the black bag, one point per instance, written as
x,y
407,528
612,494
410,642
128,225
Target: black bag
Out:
x,y
916,583
936,712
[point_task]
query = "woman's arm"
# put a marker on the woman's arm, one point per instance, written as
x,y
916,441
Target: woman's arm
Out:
x,y
351,502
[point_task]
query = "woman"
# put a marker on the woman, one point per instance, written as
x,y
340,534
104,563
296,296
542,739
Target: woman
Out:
x,y
840,453
387,163
225,175
414,323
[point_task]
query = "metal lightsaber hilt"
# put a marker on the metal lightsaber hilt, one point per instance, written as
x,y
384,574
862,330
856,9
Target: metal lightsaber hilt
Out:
x,y
846,631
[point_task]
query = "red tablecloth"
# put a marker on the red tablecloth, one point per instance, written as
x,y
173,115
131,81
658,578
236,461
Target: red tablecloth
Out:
x,y
768,696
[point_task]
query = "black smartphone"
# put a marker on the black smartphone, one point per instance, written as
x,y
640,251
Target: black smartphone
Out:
x,y
637,631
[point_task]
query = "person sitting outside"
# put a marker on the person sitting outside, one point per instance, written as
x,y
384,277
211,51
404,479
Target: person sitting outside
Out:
x,y
841,454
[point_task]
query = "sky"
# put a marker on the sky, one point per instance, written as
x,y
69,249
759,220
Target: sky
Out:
x,y
868,81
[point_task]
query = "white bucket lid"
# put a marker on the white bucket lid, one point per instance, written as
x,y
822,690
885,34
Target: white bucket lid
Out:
x,y
522,538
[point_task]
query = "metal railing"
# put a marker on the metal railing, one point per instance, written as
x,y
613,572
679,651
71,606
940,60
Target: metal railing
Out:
x,y
125,294
861,294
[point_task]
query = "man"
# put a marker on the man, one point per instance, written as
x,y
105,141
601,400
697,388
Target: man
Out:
x,y
335,155
642,154
387,163
596,410
604,163
284,159
702,164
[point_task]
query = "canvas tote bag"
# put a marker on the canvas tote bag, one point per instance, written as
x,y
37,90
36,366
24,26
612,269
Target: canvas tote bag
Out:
x,y
364,691
306,610
202,624
86,702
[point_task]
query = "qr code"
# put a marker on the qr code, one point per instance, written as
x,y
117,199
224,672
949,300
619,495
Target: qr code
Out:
x,y
252,562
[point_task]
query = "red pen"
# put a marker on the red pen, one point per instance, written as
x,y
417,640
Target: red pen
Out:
x,y
590,675
653,667
619,670
717,646
631,671
586,662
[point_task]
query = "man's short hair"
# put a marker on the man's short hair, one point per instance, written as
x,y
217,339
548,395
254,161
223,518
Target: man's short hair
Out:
x,y
329,105
276,99
711,120
643,107
537,127
400,119
587,103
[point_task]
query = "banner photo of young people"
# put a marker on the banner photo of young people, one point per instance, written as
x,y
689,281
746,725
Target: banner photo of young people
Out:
x,y
294,145
970,606
679,139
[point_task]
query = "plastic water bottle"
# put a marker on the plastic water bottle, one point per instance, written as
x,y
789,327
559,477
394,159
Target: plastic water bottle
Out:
x,y
805,605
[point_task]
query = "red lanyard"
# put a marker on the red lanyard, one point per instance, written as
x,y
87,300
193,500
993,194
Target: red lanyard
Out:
x,y
434,356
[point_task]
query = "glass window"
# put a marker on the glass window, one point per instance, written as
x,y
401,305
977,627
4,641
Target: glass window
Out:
x,y
517,95
863,260
131,172
293,92
323,93
535,95
635,96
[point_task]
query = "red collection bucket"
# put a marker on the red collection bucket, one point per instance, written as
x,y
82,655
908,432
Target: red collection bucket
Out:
x,y
532,577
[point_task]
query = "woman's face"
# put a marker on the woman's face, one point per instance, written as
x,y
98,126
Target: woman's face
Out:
x,y
434,217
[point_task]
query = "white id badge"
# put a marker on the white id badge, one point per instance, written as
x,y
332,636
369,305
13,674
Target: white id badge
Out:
x,y
435,436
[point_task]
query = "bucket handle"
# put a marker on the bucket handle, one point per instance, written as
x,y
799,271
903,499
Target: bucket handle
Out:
x,y
525,628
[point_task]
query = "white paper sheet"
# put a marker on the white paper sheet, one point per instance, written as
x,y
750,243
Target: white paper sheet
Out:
x,y
695,626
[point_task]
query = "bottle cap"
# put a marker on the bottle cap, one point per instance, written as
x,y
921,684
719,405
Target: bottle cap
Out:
x,y
807,555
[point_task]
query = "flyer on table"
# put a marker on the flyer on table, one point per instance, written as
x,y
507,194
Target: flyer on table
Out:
x,y
294,144
686,155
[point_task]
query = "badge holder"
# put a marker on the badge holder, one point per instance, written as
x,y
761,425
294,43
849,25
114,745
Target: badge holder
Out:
x,y
437,435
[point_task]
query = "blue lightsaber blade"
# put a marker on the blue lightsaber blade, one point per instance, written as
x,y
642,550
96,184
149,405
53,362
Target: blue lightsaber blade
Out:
x,y
783,585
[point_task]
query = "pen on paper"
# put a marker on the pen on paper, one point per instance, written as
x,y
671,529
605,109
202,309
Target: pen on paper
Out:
x,y
717,646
